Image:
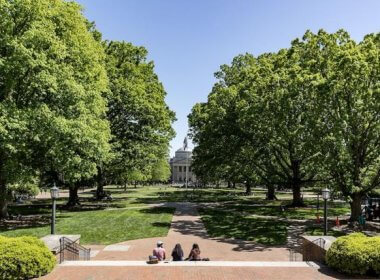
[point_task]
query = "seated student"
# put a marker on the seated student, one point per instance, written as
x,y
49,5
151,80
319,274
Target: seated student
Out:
x,y
195,253
159,252
177,253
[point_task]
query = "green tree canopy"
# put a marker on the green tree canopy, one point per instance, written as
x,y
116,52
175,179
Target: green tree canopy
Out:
x,y
139,117
52,114
306,114
161,170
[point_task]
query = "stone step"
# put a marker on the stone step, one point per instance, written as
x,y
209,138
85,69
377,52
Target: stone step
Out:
x,y
191,263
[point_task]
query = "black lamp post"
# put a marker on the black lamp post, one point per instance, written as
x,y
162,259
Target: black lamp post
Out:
x,y
325,196
54,193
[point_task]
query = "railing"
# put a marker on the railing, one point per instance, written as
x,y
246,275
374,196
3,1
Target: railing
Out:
x,y
304,252
295,254
71,251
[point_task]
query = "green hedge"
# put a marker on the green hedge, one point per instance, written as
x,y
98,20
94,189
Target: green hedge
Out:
x,y
24,258
355,254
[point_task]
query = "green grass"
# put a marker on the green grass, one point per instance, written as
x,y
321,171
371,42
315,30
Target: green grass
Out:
x,y
105,227
314,230
224,224
290,213
99,226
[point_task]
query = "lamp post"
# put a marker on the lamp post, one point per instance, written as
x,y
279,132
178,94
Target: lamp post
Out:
x,y
54,193
325,196
187,169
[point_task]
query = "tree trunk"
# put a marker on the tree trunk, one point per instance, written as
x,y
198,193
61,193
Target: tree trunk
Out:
x,y
100,184
229,185
356,207
296,184
234,185
271,193
73,196
3,201
3,195
135,184
297,198
248,188
125,187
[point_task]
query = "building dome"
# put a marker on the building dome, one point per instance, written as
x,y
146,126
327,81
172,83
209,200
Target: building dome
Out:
x,y
181,166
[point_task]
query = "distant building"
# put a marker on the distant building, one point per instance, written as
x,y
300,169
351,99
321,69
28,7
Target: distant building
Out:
x,y
180,165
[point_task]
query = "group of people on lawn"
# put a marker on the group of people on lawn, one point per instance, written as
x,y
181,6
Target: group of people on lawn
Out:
x,y
177,253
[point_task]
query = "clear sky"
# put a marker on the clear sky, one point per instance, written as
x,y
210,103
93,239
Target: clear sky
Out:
x,y
189,39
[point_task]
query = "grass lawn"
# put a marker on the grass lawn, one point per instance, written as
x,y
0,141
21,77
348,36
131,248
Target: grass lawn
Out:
x,y
319,231
98,224
232,225
105,227
291,213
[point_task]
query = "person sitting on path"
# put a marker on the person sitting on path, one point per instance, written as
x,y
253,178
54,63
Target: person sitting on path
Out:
x,y
159,252
195,253
177,253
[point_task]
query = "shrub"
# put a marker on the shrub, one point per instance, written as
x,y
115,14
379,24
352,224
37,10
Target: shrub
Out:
x,y
355,254
30,189
24,258
373,246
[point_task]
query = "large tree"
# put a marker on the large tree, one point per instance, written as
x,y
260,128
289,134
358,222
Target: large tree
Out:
x,y
139,117
302,115
260,109
52,114
349,103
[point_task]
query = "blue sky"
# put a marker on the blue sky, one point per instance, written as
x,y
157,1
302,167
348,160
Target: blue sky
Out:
x,y
189,39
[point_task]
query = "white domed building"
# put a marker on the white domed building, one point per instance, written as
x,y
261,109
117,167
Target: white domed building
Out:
x,y
180,166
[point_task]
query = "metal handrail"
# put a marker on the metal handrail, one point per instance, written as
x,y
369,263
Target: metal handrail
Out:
x,y
321,242
72,251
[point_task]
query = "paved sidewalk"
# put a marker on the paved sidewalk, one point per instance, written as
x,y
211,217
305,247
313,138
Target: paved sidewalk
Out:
x,y
191,273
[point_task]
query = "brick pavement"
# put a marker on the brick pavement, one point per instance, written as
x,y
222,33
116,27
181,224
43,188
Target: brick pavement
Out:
x,y
193,273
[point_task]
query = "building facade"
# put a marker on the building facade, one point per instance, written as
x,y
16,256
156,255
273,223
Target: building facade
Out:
x,y
180,166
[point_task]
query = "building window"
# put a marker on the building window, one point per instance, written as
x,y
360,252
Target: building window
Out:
x,y
189,168
180,169
184,169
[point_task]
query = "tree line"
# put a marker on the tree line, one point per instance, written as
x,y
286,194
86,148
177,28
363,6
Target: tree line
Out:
x,y
308,115
75,109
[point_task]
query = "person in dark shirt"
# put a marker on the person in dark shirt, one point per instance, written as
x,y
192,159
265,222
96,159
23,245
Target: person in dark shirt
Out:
x,y
177,253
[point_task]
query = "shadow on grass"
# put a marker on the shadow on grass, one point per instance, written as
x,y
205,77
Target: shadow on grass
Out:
x,y
318,230
157,210
32,222
161,224
231,225
29,209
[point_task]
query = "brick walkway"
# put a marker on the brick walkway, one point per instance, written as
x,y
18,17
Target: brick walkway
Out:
x,y
191,273
186,229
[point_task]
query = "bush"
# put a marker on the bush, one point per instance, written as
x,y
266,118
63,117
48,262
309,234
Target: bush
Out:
x,y
355,254
26,189
24,258
373,246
